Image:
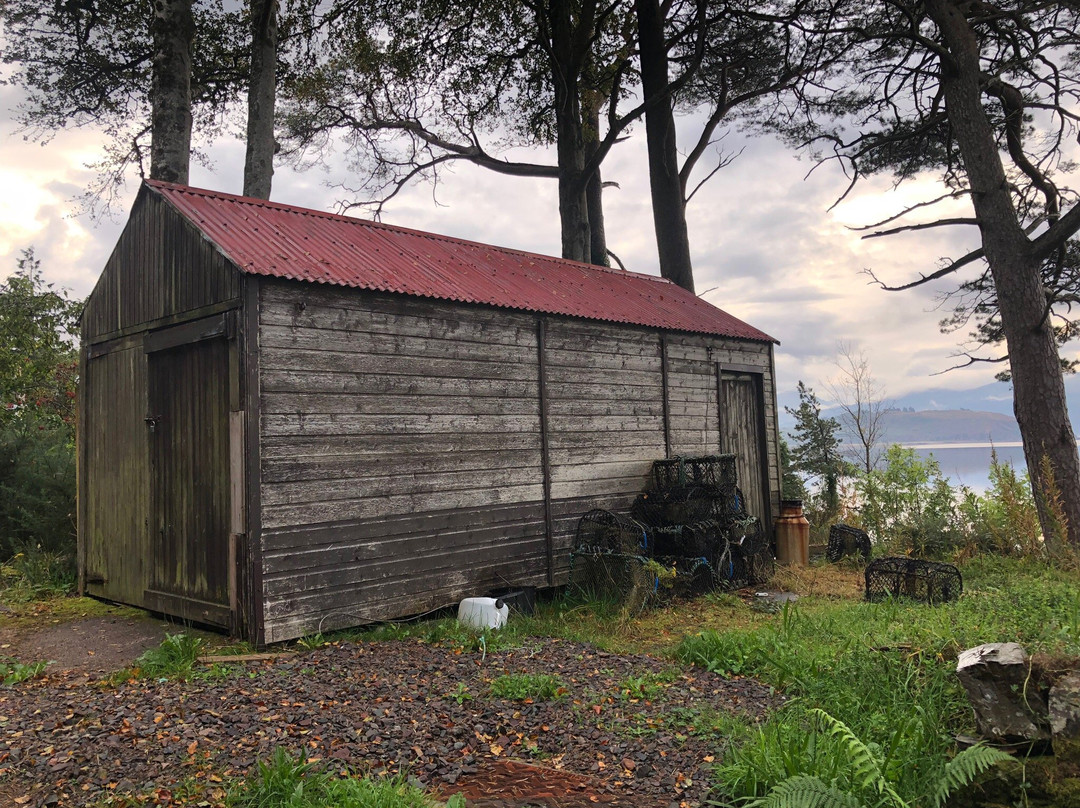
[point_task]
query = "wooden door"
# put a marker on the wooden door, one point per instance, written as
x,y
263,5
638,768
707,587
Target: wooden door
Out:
x,y
188,421
742,431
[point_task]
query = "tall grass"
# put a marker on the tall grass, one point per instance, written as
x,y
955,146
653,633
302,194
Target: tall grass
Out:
x,y
34,573
175,658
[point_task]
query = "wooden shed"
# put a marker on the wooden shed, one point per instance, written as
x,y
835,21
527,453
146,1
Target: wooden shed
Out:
x,y
292,421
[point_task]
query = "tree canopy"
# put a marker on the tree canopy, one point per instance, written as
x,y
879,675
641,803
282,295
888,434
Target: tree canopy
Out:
x,y
984,94
38,328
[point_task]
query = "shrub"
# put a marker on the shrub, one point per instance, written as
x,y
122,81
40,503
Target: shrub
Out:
x,y
37,485
33,574
1004,519
910,502
37,412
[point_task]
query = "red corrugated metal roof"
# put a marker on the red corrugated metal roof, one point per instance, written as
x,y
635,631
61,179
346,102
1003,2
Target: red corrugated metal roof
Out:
x,y
266,238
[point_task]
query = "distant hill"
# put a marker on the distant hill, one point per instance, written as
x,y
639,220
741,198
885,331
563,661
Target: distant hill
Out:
x,y
950,426
995,397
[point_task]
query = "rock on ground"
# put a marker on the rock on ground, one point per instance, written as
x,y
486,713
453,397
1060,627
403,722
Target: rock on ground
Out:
x,y
1008,704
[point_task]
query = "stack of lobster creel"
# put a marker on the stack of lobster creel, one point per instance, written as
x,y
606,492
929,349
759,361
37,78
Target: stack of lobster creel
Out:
x,y
688,533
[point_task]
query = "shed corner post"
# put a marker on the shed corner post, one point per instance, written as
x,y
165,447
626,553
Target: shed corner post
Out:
x,y
250,594
545,453
664,374
81,478
775,437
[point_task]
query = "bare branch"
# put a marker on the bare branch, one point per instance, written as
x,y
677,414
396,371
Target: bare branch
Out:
x,y
945,271
910,209
922,226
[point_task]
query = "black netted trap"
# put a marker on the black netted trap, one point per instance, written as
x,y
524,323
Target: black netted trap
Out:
x,y
715,471
615,577
749,542
601,532
703,539
690,489
669,473
846,540
689,534
925,581
619,559
679,505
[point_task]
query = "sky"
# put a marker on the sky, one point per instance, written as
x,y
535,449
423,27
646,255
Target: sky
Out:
x,y
765,245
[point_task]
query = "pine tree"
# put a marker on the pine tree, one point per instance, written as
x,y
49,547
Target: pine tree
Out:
x,y
815,445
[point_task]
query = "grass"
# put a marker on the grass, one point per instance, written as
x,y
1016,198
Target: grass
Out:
x,y
528,687
884,671
286,781
175,658
34,575
647,686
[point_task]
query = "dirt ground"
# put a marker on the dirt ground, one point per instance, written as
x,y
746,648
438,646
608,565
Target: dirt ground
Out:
x,y
103,640
92,644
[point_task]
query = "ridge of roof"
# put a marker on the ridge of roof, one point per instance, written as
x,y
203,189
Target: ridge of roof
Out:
x,y
382,257
394,228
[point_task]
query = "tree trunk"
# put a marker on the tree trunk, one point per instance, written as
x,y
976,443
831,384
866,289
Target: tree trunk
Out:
x,y
594,191
1038,389
566,70
262,89
172,30
669,207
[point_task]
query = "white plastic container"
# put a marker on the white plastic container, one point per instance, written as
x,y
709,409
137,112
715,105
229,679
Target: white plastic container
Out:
x,y
482,613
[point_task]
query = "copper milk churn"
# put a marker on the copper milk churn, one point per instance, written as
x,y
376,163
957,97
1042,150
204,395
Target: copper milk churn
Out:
x,y
792,534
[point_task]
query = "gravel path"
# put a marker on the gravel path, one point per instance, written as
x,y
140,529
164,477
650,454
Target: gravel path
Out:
x,y
385,706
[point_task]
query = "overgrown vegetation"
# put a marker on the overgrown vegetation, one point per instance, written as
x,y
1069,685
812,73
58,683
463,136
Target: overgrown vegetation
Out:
x,y
885,673
905,502
37,434
825,765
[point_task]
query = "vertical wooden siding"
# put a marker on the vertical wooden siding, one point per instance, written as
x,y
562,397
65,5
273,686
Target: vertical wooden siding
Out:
x,y
162,272
189,401
114,487
758,357
401,462
160,269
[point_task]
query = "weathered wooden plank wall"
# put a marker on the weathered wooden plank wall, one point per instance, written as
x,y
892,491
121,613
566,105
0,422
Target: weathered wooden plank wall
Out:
x,y
604,382
161,270
401,457
189,449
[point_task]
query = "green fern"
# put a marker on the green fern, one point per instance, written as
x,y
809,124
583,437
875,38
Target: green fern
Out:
x,y
866,768
806,791
963,769
853,774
